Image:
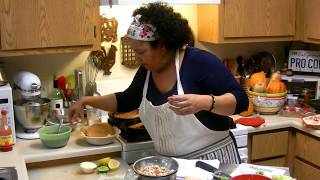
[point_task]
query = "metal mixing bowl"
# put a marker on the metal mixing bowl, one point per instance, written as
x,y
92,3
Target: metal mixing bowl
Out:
x,y
161,161
31,114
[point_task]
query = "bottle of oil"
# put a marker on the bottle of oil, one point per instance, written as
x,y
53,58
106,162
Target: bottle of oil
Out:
x,y
6,139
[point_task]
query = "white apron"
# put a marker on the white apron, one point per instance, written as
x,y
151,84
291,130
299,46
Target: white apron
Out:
x,y
172,134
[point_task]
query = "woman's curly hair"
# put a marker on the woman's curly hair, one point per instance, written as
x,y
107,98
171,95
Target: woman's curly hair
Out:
x,y
172,30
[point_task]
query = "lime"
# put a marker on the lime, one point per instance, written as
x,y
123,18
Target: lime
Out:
x,y
103,169
113,164
103,161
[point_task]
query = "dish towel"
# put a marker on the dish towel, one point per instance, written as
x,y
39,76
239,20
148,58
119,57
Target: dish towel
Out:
x,y
188,170
254,122
245,168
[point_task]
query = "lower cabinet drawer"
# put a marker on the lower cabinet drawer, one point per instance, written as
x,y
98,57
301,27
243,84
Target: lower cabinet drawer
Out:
x,y
269,145
281,162
303,171
308,148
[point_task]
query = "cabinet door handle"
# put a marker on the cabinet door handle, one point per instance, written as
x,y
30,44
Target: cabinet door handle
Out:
x,y
94,31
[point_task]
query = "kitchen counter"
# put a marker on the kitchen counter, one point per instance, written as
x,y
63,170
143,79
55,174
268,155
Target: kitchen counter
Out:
x,y
33,151
273,122
72,171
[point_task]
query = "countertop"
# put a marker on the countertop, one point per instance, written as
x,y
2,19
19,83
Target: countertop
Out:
x,y
273,122
30,151
72,171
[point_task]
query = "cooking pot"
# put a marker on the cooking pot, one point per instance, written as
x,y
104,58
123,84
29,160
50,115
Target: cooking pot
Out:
x,y
165,162
31,114
3,77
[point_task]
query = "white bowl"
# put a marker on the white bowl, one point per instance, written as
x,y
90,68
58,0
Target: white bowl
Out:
x,y
101,140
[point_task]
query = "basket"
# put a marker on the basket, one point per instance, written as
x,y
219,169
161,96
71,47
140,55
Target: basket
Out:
x,y
267,103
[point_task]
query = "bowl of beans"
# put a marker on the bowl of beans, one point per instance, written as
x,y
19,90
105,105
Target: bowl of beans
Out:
x,y
156,167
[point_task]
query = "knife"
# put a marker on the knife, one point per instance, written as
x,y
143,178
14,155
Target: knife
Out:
x,y
209,168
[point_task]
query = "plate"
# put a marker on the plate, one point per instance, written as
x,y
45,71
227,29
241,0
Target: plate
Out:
x,y
312,121
101,140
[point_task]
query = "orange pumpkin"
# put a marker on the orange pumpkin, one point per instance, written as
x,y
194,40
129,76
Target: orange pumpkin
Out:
x,y
276,86
258,77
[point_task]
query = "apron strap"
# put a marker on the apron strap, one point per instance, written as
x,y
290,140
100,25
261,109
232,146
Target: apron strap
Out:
x,y
146,84
179,85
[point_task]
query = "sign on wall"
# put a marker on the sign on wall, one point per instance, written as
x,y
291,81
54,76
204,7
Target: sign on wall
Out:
x,y
304,61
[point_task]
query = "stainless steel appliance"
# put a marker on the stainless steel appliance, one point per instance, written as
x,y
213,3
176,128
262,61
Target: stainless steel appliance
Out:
x,y
6,103
31,111
3,77
297,83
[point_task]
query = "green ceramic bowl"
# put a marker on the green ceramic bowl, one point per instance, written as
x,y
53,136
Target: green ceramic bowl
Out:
x,y
50,138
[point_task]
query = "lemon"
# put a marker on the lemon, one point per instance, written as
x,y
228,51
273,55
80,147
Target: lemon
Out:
x,y
103,161
113,164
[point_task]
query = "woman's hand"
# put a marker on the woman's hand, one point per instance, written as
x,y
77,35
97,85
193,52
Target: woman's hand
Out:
x,y
75,112
189,103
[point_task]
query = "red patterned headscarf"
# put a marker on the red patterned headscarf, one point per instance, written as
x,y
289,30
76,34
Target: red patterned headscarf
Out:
x,y
141,31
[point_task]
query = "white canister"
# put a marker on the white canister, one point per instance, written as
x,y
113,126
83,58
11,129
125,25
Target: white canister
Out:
x,y
56,104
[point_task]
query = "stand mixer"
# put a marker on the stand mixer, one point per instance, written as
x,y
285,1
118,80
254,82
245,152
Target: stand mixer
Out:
x,y
30,109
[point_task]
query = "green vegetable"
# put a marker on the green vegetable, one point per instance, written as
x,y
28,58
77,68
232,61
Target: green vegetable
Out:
x,y
281,177
103,169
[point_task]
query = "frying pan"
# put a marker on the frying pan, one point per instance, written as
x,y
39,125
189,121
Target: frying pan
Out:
x,y
132,129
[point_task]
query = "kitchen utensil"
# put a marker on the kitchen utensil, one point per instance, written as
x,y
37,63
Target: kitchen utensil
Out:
x,y
60,119
128,56
215,172
3,77
95,137
92,65
31,114
50,138
169,163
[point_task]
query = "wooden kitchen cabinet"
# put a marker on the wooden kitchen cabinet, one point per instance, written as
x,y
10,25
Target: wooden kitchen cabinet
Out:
x,y
39,26
311,22
269,148
304,171
247,21
307,159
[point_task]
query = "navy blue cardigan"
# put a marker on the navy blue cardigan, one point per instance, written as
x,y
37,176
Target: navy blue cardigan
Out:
x,y
201,73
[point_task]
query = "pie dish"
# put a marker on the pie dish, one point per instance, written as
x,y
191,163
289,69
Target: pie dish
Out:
x,y
312,121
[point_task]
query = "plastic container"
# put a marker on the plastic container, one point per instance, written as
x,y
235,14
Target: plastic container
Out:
x,y
292,101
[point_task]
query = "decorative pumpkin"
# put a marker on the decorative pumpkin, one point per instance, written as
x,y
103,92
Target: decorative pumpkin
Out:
x,y
276,86
260,87
275,76
258,77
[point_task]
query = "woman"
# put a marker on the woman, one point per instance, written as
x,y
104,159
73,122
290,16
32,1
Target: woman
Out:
x,y
184,94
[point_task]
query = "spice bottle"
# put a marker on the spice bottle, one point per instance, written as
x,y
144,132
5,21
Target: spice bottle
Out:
x,y
6,139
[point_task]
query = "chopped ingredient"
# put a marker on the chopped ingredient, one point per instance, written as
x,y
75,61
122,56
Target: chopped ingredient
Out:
x,y
155,170
113,164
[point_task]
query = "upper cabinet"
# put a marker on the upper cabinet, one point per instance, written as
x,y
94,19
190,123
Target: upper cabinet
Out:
x,y
311,21
247,21
41,25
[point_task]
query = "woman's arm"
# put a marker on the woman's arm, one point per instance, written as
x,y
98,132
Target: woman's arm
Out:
x,y
107,103
192,103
